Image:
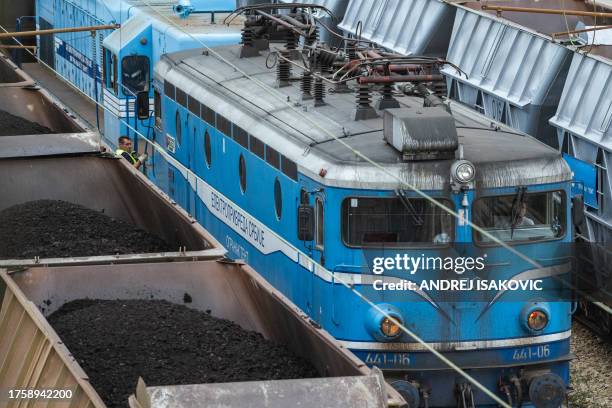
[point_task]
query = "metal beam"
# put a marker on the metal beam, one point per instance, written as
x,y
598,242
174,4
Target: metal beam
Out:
x,y
499,10
17,46
59,30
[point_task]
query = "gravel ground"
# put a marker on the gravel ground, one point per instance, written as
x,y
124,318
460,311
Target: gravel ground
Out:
x,y
116,341
591,370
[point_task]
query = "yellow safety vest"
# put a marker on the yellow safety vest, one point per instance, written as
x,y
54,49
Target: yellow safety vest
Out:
x,y
119,153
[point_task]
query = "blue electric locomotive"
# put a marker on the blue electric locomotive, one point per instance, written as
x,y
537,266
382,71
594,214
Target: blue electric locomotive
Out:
x,y
247,151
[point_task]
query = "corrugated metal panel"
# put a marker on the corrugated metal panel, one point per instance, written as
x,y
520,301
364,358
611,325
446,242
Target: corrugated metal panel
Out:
x,y
405,26
32,356
515,65
513,76
585,108
583,119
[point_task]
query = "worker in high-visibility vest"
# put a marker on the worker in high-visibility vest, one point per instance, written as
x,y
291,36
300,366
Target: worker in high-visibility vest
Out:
x,y
126,151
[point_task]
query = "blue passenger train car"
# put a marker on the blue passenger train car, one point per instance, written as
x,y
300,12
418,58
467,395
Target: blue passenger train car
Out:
x,y
308,212
148,30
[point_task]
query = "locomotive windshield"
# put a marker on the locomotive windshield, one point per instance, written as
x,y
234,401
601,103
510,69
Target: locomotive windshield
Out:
x,y
396,222
521,217
135,70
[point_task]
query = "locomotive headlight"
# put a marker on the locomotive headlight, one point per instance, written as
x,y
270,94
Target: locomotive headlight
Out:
x,y
463,171
537,320
389,328
382,322
535,316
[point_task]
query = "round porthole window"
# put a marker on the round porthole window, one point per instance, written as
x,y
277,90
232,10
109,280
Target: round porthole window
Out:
x,y
242,173
207,149
278,199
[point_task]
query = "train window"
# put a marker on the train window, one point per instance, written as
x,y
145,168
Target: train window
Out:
x,y
181,97
208,115
111,72
257,147
242,173
179,128
158,108
319,223
135,73
207,149
272,157
395,222
194,106
278,199
169,90
521,217
241,136
289,168
224,125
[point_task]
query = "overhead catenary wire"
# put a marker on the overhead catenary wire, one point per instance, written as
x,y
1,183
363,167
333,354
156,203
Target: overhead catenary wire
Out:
x,y
333,275
281,97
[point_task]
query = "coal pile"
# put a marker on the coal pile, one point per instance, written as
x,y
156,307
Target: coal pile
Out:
x,y
11,125
116,341
53,229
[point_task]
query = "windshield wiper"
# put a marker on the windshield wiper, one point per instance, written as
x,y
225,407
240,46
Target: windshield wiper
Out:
x,y
408,205
519,198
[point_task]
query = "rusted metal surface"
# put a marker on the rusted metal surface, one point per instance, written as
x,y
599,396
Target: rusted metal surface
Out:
x,y
9,73
110,185
399,78
230,290
32,356
48,145
21,96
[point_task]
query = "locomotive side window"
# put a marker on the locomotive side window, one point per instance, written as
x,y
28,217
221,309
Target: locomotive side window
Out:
x,y
319,230
207,149
278,199
373,221
179,128
521,217
158,108
135,73
111,72
242,174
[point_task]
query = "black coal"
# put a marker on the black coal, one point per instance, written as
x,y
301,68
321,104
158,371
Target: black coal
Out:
x,y
117,341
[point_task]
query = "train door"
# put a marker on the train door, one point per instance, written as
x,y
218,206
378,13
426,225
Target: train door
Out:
x,y
311,231
318,255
